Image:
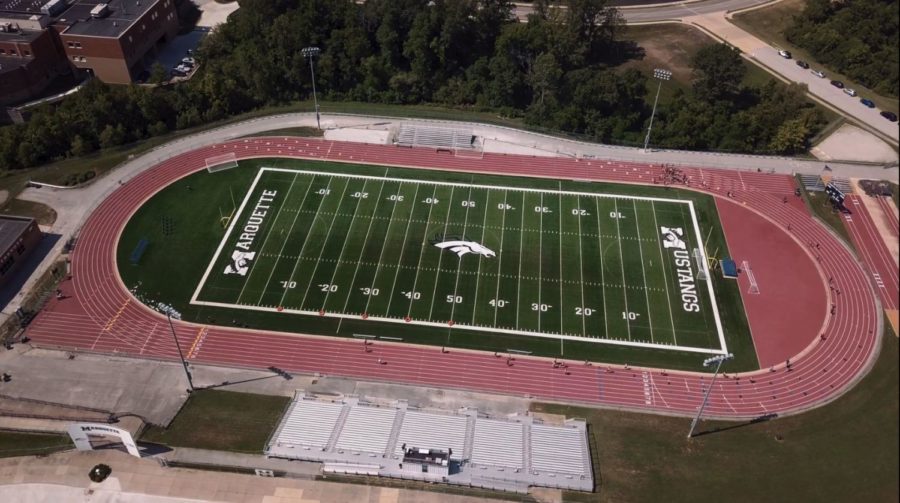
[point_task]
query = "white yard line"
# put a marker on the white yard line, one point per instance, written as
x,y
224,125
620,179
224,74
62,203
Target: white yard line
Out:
x,y
459,262
562,312
602,267
384,244
521,238
540,261
344,246
637,226
324,243
622,268
487,206
287,237
581,275
362,249
662,262
412,293
437,274
302,248
500,256
403,245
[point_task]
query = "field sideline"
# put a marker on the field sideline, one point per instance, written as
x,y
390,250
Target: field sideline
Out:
x,y
558,264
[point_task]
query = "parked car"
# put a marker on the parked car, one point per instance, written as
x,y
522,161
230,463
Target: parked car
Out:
x,y
850,92
868,103
891,116
838,84
784,54
818,73
803,64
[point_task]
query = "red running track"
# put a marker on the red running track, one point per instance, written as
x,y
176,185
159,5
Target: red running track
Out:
x,y
102,316
873,251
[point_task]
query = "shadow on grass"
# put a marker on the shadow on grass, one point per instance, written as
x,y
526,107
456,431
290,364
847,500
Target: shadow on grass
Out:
x,y
756,420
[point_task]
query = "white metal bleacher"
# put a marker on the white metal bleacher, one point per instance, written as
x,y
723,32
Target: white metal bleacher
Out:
x,y
560,450
296,430
367,429
432,136
498,443
433,431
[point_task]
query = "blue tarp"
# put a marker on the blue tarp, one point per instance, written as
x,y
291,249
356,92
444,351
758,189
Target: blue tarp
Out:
x,y
729,268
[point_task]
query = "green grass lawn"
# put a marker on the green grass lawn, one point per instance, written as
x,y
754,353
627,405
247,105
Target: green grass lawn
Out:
x,y
769,24
222,420
842,452
178,227
819,205
304,131
29,444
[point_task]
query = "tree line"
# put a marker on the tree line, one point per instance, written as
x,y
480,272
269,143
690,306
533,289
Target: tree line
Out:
x,y
858,38
559,71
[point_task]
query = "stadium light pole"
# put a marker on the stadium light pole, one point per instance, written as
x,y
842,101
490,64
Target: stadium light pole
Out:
x,y
310,53
718,360
170,313
661,75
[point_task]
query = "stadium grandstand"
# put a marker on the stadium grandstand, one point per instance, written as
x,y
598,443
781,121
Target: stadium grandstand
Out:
x,y
461,141
466,448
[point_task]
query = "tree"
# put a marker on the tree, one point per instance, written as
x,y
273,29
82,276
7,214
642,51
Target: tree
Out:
x,y
544,76
717,72
112,136
791,137
158,74
79,147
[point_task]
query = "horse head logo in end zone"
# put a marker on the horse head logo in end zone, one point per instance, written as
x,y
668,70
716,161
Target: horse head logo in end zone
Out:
x,y
672,237
240,263
463,247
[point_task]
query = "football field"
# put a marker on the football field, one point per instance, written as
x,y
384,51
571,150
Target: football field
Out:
x,y
531,262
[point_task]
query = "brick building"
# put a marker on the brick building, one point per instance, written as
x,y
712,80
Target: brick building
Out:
x,y
113,39
18,237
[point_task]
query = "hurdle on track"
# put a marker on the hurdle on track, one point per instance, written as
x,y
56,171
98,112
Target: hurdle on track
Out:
x,y
754,287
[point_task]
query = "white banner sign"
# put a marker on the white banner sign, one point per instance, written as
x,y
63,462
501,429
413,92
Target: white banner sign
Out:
x,y
79,433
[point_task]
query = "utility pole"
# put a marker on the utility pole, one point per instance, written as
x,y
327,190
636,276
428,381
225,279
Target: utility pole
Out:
x,y
310,53
718,360
661,75
170,313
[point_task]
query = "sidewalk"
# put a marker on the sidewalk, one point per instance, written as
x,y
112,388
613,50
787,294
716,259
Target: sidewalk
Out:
x,y
64,477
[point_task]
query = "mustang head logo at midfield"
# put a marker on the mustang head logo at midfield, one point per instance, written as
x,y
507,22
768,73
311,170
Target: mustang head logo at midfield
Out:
x,y
240,263
461,248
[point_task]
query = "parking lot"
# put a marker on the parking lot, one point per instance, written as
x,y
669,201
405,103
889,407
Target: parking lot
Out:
x,y
172,54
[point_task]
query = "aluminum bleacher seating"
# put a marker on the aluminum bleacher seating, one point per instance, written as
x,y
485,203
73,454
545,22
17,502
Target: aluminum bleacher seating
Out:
x,y
555,449
296,430
367,429
498,443
437,431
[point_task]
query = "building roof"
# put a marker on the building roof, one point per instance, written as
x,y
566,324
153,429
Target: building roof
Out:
x,y
11,228
122,14
10,64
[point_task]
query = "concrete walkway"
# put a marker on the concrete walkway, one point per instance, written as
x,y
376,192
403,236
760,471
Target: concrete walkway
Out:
x,y
64,477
